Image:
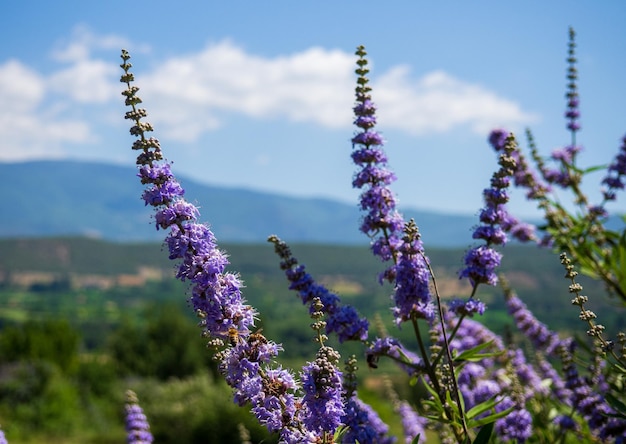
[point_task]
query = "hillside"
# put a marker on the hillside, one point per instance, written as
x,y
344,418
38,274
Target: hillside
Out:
x,y
67,198
71,264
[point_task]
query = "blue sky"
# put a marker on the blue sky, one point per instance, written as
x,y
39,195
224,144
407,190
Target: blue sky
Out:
x,y
259,94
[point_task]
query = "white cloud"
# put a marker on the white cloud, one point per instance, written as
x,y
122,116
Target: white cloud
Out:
x,y
25,129
439,102
87,79
198,92
193,93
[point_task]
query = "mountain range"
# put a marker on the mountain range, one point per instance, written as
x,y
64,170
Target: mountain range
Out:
x,y
58,198
69,198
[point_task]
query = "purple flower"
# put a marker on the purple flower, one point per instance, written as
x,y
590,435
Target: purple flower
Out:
x,y
466,308
497,139
480,265
274,404
342,320
137,427
481,261
412,424
382,223
364,424
572,112
322,384
3,439
538,333
392,348
516,426
616,171
412,277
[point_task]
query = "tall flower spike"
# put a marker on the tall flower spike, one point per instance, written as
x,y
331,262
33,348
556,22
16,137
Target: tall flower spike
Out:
x,y
322,384
382,223
215,293
616,171
137,427
412,277
572,113
481,261
362,422
343,320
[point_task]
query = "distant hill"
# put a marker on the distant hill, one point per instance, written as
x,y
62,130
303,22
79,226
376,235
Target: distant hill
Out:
x,y
59,198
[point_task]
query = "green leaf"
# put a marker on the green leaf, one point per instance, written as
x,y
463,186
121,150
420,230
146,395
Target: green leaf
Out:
x,y
416,440
484,434
474,355
616,404
490,418
481,408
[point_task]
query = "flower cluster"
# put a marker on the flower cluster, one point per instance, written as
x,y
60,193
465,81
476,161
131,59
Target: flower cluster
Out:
x,y
137,427
412,291
573,113
340,319
382,222
481,261
616,171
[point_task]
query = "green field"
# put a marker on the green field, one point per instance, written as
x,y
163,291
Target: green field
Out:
x,y
83,319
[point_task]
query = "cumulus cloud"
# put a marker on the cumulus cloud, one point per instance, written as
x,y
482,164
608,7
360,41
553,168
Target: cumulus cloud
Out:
x,y
194,93
42,113
27,130
439,102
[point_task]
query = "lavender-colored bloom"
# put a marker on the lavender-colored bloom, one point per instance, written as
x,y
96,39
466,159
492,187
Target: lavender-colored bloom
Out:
x,y
411,363
382,222
572,112
523,176
565,423
480,265
557,386
466,308
343,320
497,138
322,384
215,293
567,154
412,291
516,426
481,261
3,439
538,333
616,171
137,427
364,424
591,405
274,405
526,374
412,424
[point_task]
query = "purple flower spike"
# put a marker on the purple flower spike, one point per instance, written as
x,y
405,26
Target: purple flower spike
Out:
x,y
616,171
412,277
382,223
322,384
538,333
137,427
364,424
343,320
481,261
466,308
572,112
412,423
